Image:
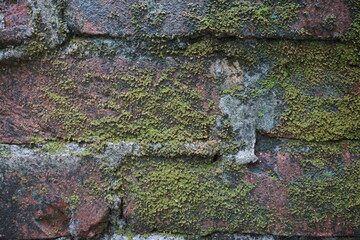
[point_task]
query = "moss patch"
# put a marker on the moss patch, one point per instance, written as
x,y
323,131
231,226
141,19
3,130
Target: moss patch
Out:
x,y
182,196
324,156
148,106
238,17
336,194
176,105
319,83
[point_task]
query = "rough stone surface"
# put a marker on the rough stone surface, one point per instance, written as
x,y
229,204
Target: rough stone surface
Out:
x,y
245,121
178,120
48,196
281,169
244,114
157,237
28,86
318,19
241,237
116,19
31,27
14,22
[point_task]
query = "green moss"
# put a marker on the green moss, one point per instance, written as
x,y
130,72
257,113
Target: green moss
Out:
x,y
353,34
142,105
143,16
208,48
73,201
233,91
319,83
138,13
126,232
317,80
154,110
54,147
320,156
181,196
3,150
314,198
235,18
66,114
94,189
202,49
330,185
37,45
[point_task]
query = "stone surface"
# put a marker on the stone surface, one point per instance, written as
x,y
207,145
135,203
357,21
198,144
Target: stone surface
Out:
x,y
48,196
126,120
14,22
209,112
28,87
115,237
246,121
157,237
306,19
121,18
241,237
28,28
283,194
42,25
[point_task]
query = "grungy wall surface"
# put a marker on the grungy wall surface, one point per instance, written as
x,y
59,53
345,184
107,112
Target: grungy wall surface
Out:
x,y
194,119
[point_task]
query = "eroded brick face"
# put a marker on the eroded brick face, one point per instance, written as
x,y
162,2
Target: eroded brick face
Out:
x,y
324,19
51,202
14,21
